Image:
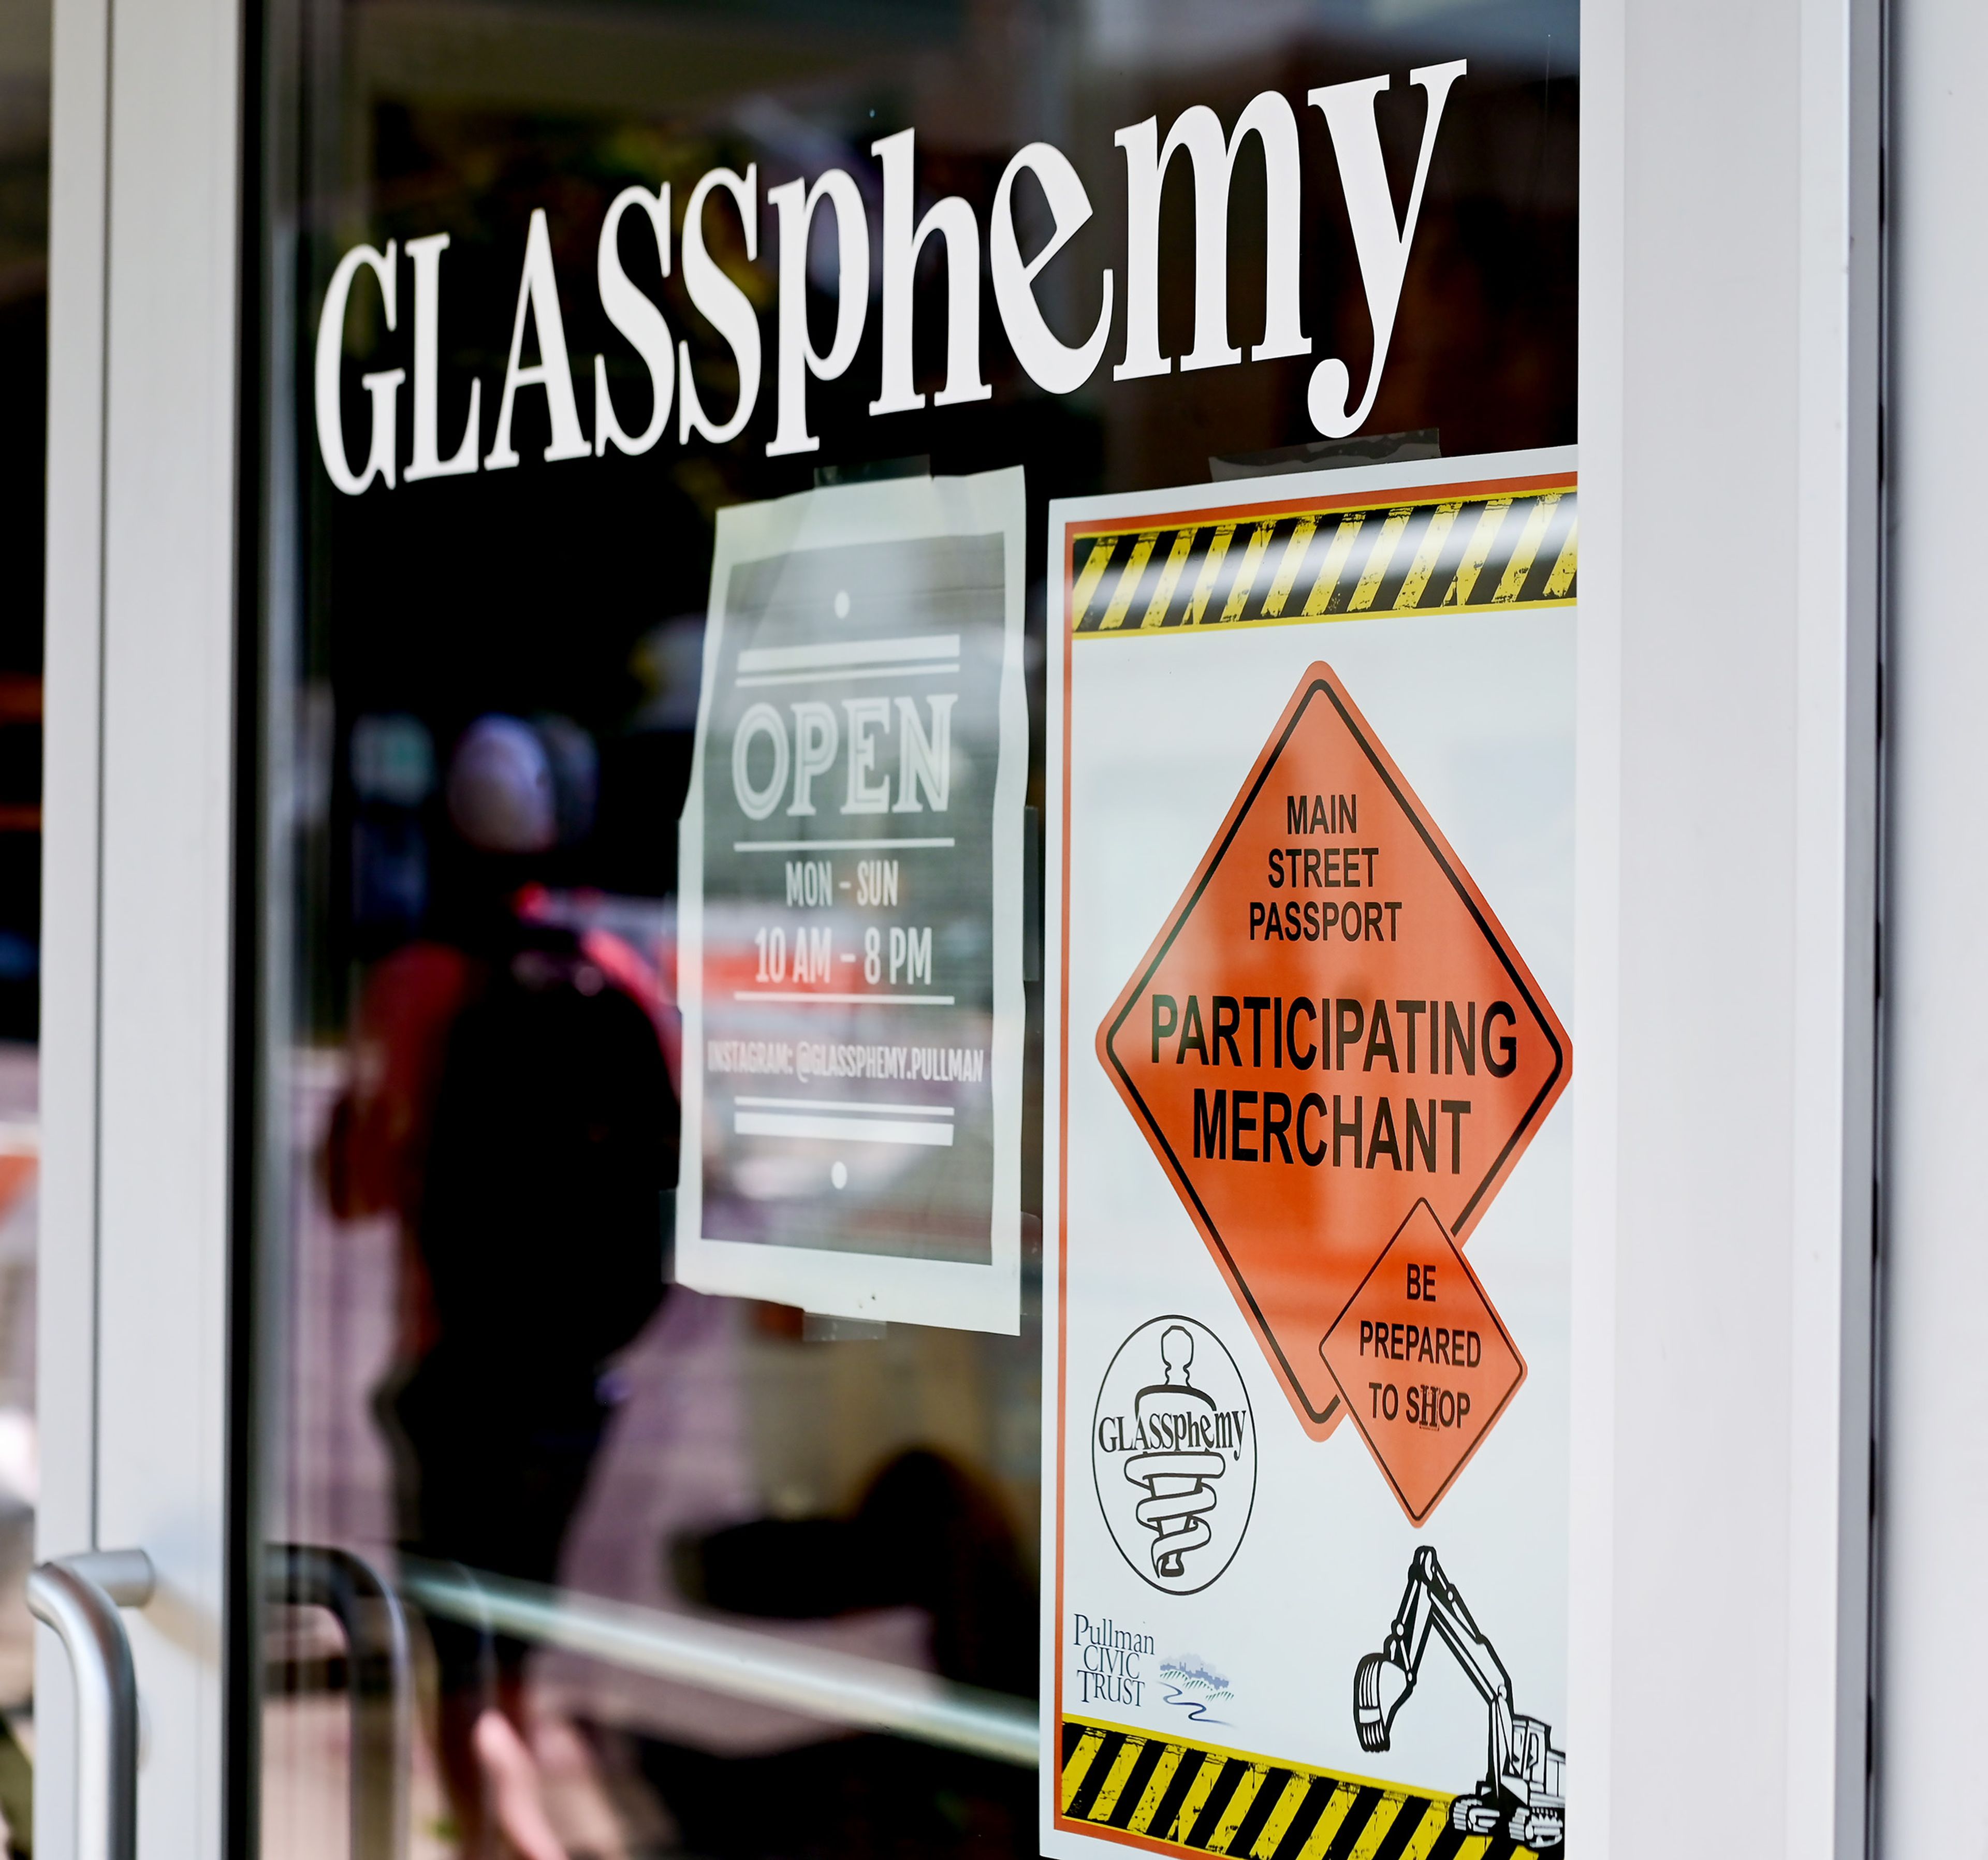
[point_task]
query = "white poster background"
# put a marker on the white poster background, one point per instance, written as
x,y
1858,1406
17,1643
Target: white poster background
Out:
x,y
960,1295
1478,711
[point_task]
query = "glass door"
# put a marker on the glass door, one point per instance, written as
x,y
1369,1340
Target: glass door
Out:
x,y
575,1536
713,672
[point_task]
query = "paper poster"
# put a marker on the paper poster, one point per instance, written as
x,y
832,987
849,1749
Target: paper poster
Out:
x,y
1308,1194
850,953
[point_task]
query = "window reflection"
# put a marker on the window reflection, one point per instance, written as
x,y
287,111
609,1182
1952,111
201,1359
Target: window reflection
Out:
x,y
480,1378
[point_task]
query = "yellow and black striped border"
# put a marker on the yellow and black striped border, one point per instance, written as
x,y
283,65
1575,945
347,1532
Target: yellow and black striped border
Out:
x,y
1163,1792
1453,552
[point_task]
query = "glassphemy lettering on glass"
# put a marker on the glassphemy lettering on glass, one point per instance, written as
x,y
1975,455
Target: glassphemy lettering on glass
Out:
x,y
1381,241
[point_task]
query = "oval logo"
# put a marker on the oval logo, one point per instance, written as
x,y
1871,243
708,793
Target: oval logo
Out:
x,y
1173,1454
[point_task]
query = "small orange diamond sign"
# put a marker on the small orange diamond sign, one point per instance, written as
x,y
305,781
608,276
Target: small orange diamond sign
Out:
x,y
1423,1361
1332,1026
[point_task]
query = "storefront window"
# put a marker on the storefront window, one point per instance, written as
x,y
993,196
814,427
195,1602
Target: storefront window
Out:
x,y
672,1354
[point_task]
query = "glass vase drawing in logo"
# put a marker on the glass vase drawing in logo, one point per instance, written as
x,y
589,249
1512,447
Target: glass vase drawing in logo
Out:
x,y
1173,1454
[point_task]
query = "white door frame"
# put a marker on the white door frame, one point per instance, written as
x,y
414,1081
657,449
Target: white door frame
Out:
x,y
1933,1511
134,1320
1729,395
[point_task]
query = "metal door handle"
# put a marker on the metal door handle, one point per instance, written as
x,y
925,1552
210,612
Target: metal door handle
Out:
x,y
78,1597
381,1682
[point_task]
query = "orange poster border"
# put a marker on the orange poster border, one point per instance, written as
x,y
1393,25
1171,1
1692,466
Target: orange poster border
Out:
x,y
1067,548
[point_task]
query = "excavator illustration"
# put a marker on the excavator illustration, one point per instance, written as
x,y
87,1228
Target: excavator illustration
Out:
x,y
1521,1794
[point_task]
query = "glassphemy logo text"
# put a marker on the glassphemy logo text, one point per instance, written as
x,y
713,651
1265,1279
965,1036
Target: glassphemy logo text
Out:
x,y
1173,1454
1381,241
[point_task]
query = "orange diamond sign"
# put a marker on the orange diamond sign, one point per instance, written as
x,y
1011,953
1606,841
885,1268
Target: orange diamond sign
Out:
x,y
1331,1026
1423,1361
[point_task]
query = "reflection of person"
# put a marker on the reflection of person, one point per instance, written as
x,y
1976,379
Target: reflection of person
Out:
x,y
512,1104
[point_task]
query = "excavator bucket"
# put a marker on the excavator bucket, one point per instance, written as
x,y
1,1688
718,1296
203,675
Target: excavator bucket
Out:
x,y
1379,1685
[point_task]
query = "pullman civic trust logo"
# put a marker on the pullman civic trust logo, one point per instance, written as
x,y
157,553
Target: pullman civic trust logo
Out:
x,y
1173,1454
